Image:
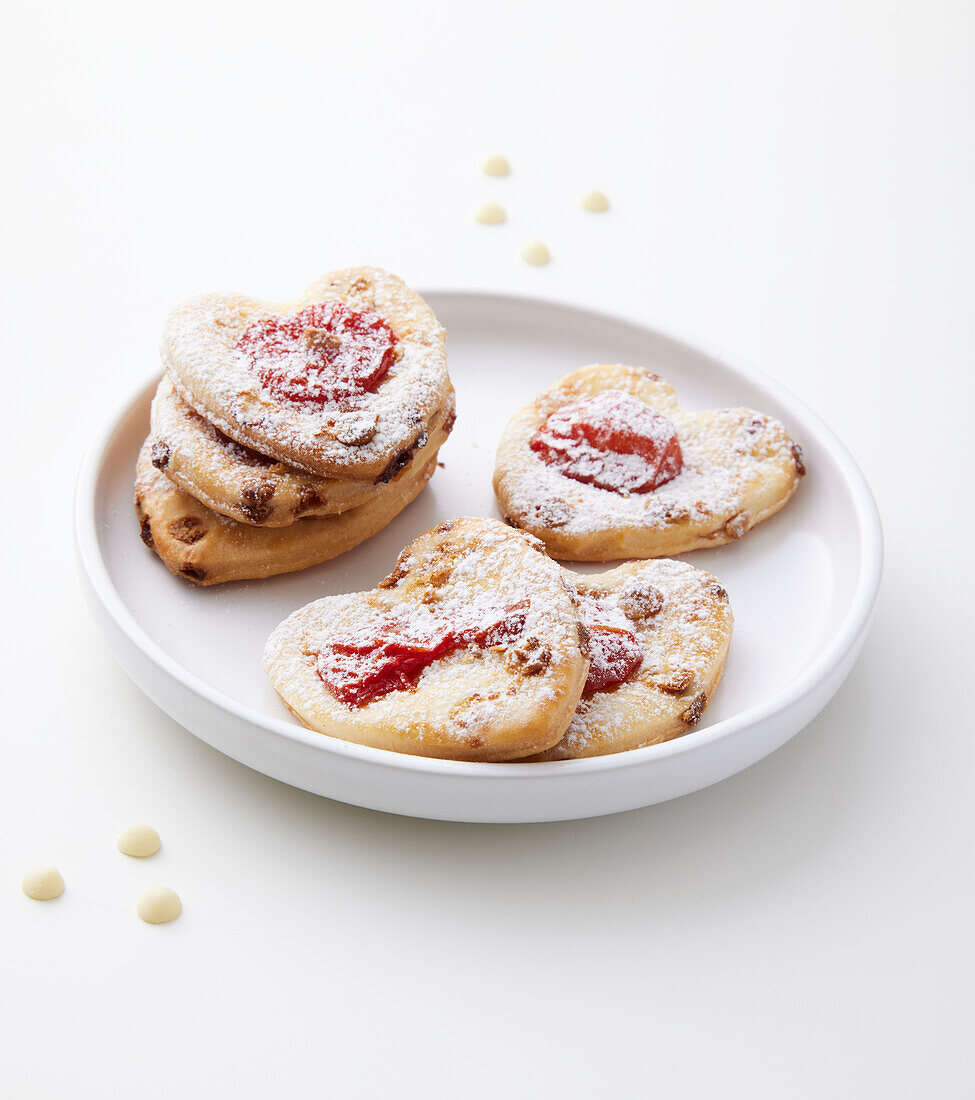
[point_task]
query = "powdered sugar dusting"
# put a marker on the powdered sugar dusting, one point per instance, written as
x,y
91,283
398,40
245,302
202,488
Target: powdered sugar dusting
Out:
x,y
238,482
504,688
683,636
324,354
388,651
611,440
211,374
718,467
615,652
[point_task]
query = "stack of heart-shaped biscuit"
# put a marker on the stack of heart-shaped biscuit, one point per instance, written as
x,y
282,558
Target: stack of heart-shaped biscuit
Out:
x,y
283,435
480,647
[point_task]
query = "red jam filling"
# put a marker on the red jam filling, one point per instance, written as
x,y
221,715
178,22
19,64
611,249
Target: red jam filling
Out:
x,y
391,652
611,440
325,354
614,652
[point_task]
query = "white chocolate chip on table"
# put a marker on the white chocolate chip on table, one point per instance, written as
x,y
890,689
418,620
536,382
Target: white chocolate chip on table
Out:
x,y
42,883
158,905
496,165
595,201
138,841
535,252
491,213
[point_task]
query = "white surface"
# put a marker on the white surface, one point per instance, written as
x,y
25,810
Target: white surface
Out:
x,y
790,181
802,587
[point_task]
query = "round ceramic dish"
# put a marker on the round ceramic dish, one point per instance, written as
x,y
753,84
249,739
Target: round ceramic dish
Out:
x,y
802,586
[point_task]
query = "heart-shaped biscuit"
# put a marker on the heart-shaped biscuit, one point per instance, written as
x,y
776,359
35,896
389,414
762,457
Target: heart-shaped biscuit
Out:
x,y
587,501
470,649
205,547
337,382
661,627
249,487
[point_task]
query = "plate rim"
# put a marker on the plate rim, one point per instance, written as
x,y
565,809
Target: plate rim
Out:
x,y
855,621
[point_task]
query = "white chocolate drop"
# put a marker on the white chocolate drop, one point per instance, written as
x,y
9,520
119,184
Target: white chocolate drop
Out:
x,y
496,165
138,841
491,213
42,883
158,905
536,253
595,201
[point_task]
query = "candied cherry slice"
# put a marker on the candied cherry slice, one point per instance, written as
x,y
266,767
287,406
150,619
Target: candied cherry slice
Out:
x,y
614,651
391,652
324,354
611,440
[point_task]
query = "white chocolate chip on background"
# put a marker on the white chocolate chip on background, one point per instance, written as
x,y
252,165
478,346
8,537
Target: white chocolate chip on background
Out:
x,y
42,883
496,165
595,201
535,252
138,841
158,905
491,213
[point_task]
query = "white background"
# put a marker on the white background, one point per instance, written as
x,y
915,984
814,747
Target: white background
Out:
x,y
791,181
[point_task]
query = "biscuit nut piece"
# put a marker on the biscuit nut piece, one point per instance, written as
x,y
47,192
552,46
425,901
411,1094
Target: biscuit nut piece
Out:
x,y
695,711
320,340
187,529
160,455
358,429
530,657
799,459
738,525
553,513
308,499
678,682
641,601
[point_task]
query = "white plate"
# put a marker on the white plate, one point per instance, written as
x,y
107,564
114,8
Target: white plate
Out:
x,y
802,586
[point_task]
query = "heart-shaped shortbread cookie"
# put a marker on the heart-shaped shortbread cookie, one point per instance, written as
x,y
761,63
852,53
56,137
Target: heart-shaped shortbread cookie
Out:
x,y
248,487
336,383
659,633
470,650
606,465
208,548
